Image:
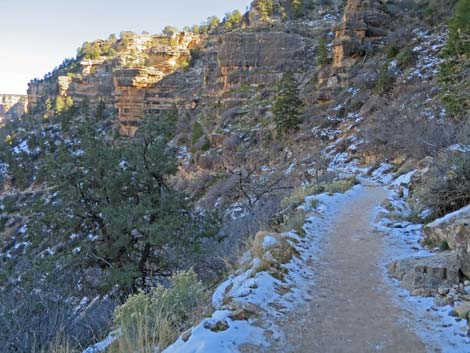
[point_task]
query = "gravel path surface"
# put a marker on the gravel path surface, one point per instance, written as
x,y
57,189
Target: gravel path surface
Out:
x,y
352,309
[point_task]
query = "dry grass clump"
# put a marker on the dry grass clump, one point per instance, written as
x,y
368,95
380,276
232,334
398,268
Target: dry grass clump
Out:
x,y
273,251
149,322
298,195
446,187
294,221
340,186
60,344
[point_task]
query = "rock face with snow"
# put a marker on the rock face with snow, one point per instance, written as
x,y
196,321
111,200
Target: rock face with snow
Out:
x,y
363,21
444,269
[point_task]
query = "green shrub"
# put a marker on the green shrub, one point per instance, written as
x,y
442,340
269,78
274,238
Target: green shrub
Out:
x,y
314,204
197,133
155,319
458,43
265,8
444,246
405,57
454,81
288,108
232,20
322,52
384,80
453,72
392,51
168,30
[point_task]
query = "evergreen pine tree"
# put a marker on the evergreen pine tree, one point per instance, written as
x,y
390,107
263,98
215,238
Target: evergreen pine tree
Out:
x,y
322,52
288,107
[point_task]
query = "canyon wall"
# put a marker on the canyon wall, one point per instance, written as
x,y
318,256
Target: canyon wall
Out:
x,y
185,69
12,106
150,73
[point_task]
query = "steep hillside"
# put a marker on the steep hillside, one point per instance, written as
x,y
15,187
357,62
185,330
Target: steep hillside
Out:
x,y
148,155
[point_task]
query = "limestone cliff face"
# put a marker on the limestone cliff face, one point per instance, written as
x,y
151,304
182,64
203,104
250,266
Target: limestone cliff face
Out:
x,y
120,81
259,58
155,72
363,21
12,106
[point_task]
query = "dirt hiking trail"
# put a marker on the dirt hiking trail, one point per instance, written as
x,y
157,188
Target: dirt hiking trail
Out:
x,y
351,309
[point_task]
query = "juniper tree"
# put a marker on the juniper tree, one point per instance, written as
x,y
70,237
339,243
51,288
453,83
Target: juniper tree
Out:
x,y
114,203
232,20
288,107
265,8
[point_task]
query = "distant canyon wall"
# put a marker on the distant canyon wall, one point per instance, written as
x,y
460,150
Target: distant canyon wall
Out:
x,y
12,106
185,69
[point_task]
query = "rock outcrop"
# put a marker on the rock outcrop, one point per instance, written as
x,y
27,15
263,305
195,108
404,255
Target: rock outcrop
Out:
x,y
12,106
363,22
452,230
445,269
121,81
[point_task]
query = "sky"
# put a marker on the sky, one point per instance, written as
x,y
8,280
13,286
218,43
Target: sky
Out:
x,y
36,35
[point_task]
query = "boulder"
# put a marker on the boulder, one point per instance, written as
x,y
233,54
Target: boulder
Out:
x,y
217,326
427,273
462,310
453,229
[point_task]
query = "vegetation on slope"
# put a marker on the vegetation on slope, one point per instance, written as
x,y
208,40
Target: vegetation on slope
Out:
x,y
104,220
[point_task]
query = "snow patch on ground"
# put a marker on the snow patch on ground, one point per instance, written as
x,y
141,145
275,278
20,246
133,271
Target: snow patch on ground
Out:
x,y
450,216
269,242
103,345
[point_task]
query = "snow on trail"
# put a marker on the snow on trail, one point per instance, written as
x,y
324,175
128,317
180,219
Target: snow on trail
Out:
x,y
275,298
352,309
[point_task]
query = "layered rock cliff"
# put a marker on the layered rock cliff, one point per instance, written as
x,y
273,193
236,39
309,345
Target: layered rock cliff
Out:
x,y
12,106
151,73
121,81
170,73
